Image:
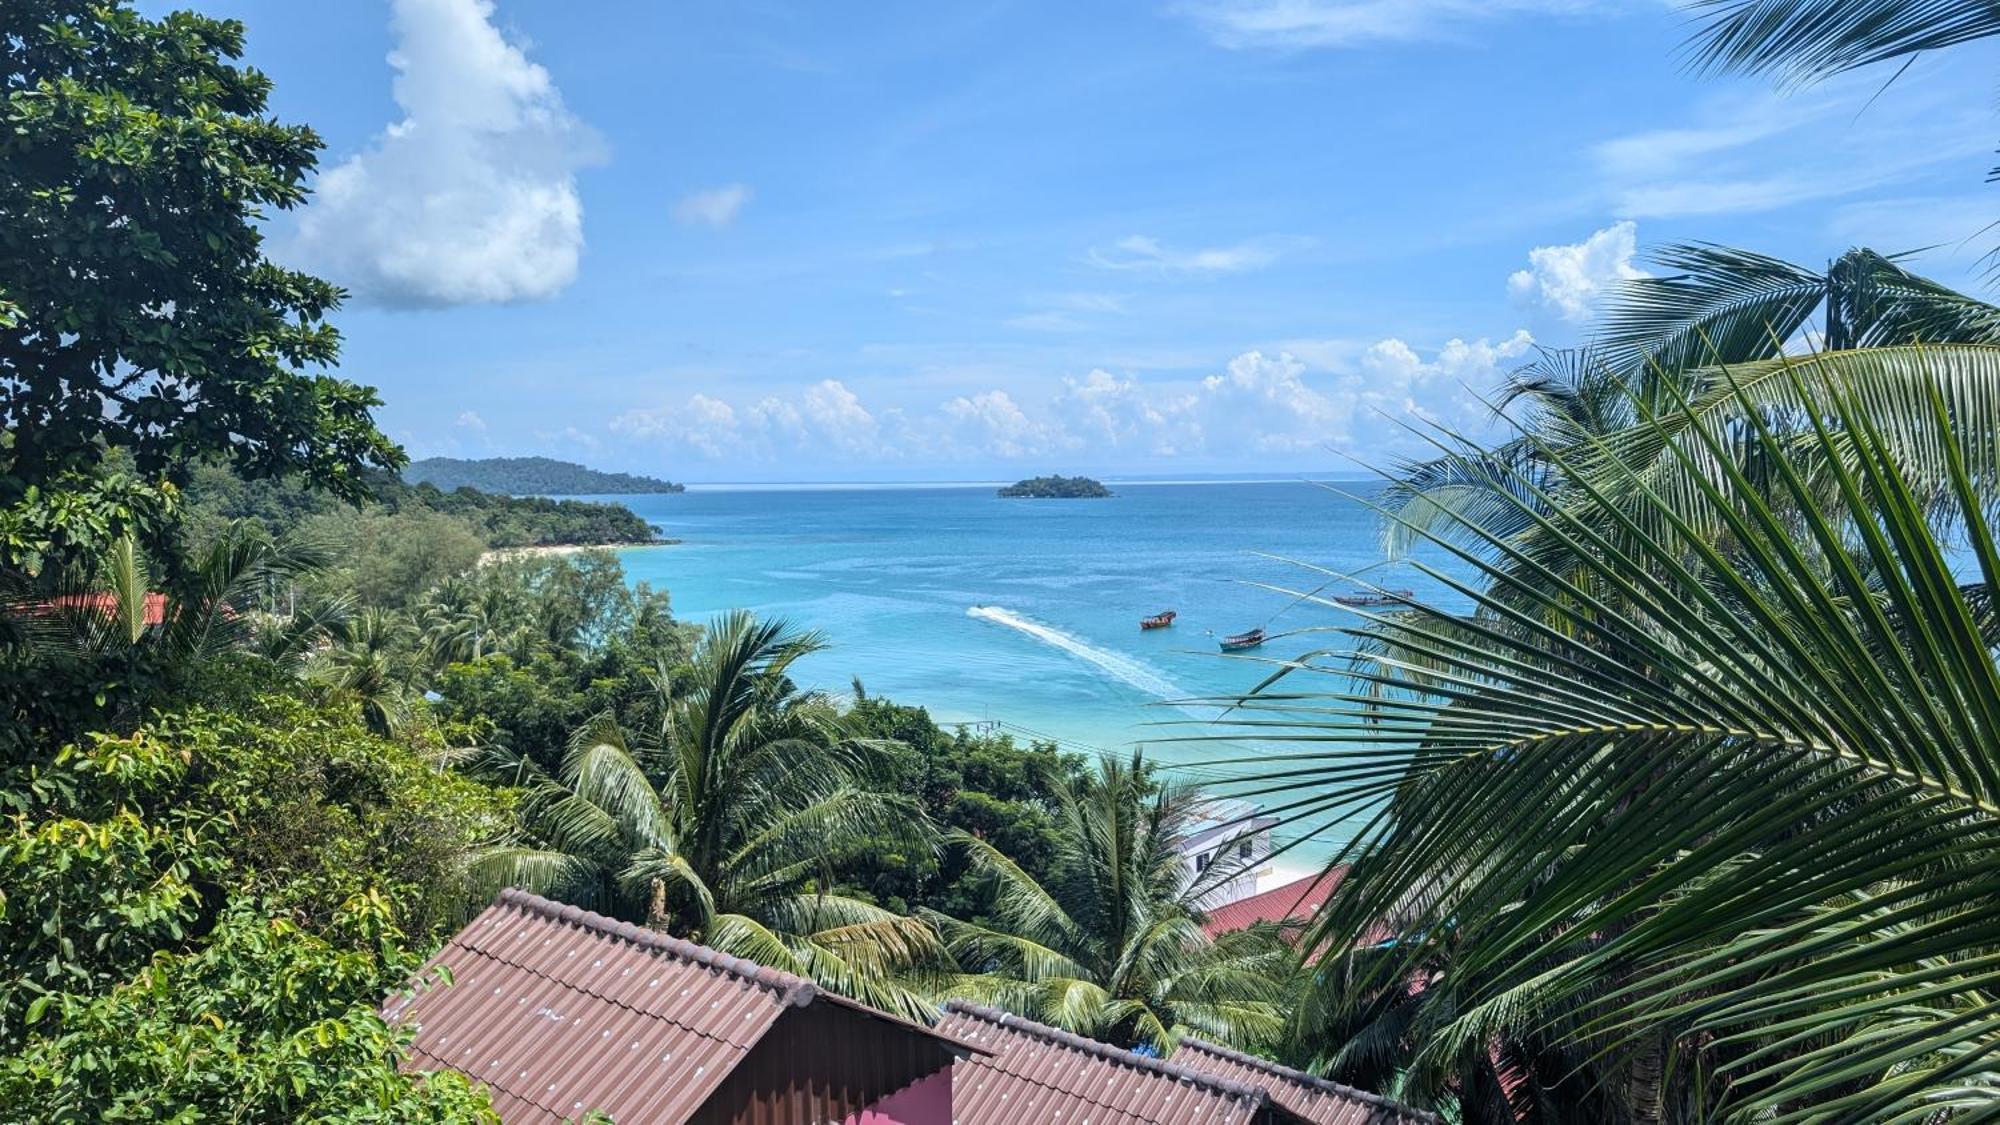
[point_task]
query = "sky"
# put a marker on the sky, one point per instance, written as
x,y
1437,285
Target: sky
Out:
x,y
758,240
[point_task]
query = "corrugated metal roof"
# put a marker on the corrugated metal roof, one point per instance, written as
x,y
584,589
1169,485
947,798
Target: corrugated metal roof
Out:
x,y
561,1011
1313,1099
1296,901
1038,1075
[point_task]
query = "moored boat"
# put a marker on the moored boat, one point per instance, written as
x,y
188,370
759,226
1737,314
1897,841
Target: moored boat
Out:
x,y
1240,641
1159,620
1385,597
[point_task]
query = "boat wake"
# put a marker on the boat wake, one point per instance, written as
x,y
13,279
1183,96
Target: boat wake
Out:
x,y
1124,669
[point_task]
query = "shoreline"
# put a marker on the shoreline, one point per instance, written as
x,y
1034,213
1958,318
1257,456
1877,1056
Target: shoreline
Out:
x,y
498,554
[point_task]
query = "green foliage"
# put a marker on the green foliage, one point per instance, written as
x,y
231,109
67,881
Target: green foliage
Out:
x,y
985,786
1714,814
137,161
1056,488
530,476
215,494
265,1022
119,846
1113,947
719,825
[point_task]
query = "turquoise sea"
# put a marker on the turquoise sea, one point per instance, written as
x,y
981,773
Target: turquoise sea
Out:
x,y
1026,612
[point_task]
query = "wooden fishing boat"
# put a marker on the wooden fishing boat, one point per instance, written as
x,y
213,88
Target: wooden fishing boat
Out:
x,y
1239,641
1159,620
1386,597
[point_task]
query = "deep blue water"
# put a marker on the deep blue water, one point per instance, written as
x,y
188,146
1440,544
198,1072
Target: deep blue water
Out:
x,y
1025,611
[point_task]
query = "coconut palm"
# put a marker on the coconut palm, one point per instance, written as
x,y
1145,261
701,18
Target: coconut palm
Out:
x,y
1804,41
718,826
1722,817
1664,342
368,662
465,619
1114,948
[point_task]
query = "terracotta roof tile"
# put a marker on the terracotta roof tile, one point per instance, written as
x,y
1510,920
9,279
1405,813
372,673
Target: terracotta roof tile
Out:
x,y
1298,901
561,1011
1312,1099
1041,1075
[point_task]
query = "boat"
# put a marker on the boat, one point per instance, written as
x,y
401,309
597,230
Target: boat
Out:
x,y
1240,641
1386,597
1159,620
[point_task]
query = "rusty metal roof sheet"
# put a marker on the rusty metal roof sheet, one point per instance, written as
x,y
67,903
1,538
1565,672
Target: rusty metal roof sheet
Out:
x,y
1041,1075
561,1011
1302,1095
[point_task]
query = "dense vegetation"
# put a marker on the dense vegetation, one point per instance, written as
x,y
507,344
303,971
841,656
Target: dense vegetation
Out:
x,y
1691,816
287,504
1055,488
530,476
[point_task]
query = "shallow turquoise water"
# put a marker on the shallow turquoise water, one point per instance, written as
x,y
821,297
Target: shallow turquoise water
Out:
x,y
1024,611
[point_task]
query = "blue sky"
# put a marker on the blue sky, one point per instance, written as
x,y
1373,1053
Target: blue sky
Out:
x,y
796,241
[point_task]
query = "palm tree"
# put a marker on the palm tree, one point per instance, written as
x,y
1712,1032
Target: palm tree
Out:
x,y
464,619
368,663
1114,948
1804,41
1721,817
718,827
1710,334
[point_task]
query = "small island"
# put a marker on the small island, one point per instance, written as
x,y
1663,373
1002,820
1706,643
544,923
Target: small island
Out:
x,y
1055,488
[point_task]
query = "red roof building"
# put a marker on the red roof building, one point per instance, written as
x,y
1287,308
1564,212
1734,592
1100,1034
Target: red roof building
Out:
x,y
561,1012
1305,1097
1295,902
1034,1074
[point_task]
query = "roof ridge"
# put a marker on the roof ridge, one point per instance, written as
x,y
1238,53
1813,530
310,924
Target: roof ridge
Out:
x,y
1282,1071
794,990
1108,1052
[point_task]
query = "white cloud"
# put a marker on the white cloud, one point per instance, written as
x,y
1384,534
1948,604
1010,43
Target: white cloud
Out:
x,y
990,423
716,207
470,420
1572,279
1143,253
1295,24
1270,407
471,197
1750,151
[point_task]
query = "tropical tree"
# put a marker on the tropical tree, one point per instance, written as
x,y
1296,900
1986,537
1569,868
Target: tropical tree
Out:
x,y
369,662
719,825
1663,341
138,313
89,644
1719,816
1114,947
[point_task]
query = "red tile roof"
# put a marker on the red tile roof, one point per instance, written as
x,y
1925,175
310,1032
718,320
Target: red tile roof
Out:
x,y
560,1011
103,603
1306,1097
1296,901
1038,1075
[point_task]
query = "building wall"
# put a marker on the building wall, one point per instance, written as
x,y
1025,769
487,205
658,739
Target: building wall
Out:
x,y
926,1102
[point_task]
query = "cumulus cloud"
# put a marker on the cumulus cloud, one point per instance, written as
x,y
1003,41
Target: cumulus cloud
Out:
x,y
1275,407
716,207
471,197
827,418
1572,279
991,423
470,420
1298,24
1146,254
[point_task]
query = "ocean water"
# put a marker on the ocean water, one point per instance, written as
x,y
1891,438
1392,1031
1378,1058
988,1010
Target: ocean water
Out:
x,y
1026,613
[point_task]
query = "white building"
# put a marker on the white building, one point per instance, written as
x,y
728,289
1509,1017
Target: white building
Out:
x,y
1235,836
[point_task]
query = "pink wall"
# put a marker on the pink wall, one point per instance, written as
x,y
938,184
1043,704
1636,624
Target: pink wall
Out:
x,y
926,1101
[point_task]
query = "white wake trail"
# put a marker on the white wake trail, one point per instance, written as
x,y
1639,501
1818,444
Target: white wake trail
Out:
x,y
1124,669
